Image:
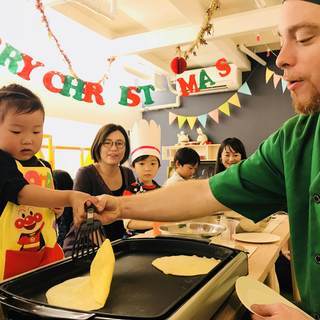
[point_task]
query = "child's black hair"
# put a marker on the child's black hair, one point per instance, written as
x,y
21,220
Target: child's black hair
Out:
x,y
62,180
18,98
187,156
141,158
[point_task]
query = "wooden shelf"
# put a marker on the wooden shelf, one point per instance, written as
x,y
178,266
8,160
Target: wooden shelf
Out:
x,y
207,152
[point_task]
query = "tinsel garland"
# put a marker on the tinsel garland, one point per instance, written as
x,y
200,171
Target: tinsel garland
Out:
x,y
206,28
40,7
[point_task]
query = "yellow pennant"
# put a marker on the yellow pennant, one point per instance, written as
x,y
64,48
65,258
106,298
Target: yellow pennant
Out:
x,y
191,121
181,120
235,100
269,74
225,108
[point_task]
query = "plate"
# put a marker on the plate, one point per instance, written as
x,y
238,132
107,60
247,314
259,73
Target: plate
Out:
x,y
198,229
250,291
256,237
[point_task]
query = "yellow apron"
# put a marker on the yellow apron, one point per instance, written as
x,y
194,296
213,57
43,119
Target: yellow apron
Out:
x,y
28,237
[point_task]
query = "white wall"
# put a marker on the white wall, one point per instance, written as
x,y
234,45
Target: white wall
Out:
x,y
69,133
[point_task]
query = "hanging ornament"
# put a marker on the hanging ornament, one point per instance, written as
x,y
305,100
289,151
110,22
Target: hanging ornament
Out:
x,y
178,65
258,37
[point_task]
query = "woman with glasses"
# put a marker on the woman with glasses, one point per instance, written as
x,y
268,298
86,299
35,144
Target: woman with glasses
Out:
x,y
109,150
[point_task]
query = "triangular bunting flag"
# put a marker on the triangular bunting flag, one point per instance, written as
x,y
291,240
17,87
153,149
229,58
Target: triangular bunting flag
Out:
x,y
276,79
235,100
284,85
269,74
225,108
203,119
244,89
172,117
191,121
214,114
181,120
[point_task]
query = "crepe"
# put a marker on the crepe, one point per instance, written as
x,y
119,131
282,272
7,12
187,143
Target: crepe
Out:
x,y
183,265
88,292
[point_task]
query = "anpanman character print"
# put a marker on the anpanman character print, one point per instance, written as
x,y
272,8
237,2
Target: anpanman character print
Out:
x,y
28,237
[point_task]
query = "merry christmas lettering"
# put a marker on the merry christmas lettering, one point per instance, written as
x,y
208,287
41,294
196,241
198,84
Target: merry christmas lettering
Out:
x,y
23,66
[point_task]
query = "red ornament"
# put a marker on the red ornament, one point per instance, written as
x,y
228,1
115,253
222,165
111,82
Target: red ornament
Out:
x,y
178,65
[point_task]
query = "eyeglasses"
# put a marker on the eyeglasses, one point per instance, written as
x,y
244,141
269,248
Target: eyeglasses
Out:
x,y
119,144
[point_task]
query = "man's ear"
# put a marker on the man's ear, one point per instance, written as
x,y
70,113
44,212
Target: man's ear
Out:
x,y
177,164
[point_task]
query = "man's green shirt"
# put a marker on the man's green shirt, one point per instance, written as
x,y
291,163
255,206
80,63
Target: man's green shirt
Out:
x,y
284,174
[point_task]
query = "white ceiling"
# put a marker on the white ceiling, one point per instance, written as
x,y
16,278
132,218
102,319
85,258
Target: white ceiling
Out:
x,y
153,29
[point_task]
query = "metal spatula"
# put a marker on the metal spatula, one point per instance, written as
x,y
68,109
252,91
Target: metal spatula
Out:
x,y
89,236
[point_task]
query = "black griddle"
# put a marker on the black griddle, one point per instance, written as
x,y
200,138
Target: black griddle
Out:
x,y
138,291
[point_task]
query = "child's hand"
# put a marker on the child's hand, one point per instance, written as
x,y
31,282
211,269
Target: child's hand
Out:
x,y
58,211
78,200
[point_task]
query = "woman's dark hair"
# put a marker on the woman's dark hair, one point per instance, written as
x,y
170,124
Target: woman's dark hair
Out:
x,y
141,158
100,138
186,156
18,98
236,145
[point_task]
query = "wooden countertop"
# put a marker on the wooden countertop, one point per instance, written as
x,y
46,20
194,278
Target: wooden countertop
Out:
x,y
261,264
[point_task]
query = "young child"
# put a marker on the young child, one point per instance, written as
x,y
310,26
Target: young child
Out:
x,y
145,161
27,227
186,162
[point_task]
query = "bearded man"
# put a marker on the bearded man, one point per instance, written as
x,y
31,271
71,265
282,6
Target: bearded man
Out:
x,y
283,174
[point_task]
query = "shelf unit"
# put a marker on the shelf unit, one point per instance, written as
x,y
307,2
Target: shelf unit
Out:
x,y
207,152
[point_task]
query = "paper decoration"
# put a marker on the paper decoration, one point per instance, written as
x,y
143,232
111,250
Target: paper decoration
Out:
x,y
172,117
235,100
269,74
276,79
191,121
25,66
284,85
181,120
225,109
203,119
178,65
244,89
214,115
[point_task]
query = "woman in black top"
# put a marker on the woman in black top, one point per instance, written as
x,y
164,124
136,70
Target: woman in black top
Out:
x,y
110,149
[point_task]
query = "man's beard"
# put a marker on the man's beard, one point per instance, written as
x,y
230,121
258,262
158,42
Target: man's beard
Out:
x,y
307,107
